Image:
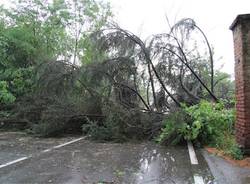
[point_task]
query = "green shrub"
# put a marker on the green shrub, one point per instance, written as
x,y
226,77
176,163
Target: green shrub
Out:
x,y
209,123
6,96
177,127
227,143
174,124
213,120
18,81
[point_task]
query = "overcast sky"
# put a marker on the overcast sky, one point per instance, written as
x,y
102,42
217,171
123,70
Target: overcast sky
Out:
x,y
145,17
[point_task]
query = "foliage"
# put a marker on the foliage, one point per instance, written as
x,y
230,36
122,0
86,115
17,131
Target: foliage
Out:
x,y
34,33
5,96
224,86
206,122
36,30
48,116
174,124
122,124
119,125
227,143
20,81
61,63
54,120
212,119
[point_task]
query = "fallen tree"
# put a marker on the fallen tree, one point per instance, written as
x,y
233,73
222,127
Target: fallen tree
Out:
x,y
129,87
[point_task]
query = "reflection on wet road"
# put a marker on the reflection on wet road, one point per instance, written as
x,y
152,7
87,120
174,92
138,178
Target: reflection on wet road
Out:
x,y
87,162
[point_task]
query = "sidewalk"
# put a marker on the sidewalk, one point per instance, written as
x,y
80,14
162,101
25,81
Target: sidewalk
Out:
x,y
225,172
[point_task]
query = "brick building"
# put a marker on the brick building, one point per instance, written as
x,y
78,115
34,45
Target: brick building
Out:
x,y
241,37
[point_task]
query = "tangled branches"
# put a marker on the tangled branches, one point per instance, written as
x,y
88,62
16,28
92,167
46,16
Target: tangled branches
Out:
x,y
128,80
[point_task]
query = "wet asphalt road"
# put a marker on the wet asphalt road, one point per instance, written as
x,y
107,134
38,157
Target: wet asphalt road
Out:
x,y
90,163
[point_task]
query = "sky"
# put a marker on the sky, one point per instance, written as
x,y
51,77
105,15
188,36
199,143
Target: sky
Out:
x,y
146,17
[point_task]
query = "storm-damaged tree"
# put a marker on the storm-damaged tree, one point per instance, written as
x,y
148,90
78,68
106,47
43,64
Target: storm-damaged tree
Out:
x,y
104,77
177,68
122,67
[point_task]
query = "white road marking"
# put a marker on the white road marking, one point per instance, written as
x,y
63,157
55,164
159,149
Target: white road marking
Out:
x,y
67,143
44,151
198,179
47,150
192,154
194,161
13,162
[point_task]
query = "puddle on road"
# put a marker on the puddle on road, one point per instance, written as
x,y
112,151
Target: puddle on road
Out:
x,y
86,162
133,163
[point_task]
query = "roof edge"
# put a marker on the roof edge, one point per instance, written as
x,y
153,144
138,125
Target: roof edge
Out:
x,y
238,19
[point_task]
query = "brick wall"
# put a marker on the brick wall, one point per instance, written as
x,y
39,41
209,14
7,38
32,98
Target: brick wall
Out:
x,y
241,37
